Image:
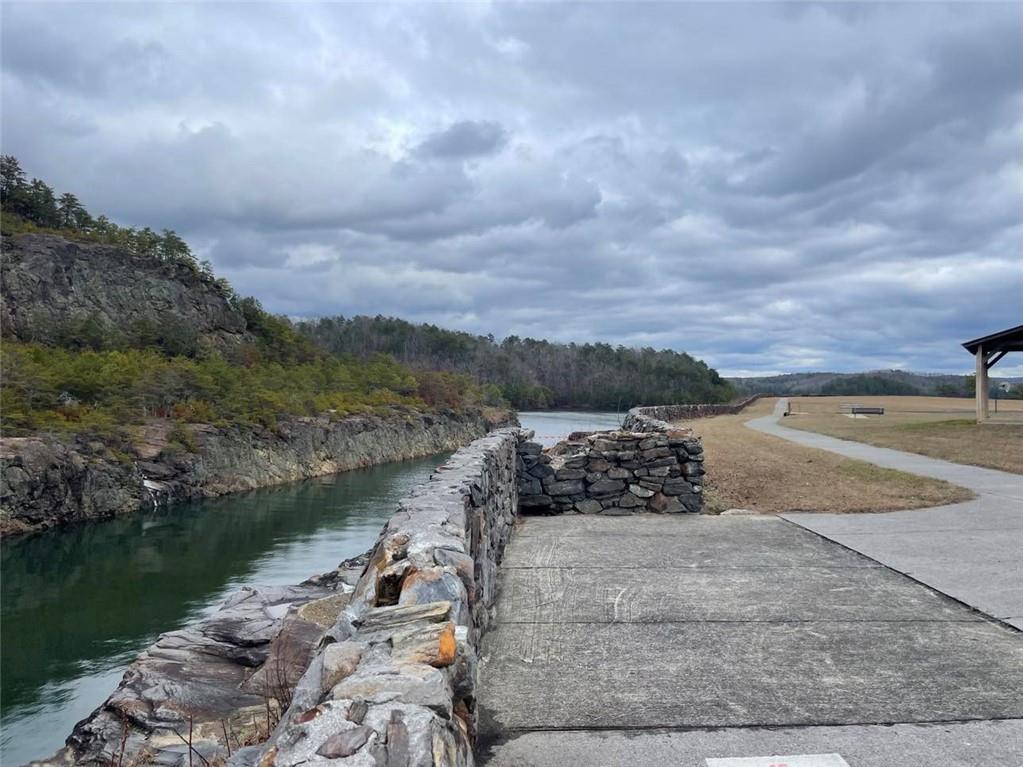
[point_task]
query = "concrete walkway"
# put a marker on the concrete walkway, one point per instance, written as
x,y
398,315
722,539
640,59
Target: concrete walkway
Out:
x,y
670,639
971,551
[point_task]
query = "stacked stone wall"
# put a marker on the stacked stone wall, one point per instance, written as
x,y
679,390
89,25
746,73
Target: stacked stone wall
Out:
x,y
395,680
658,418
615,472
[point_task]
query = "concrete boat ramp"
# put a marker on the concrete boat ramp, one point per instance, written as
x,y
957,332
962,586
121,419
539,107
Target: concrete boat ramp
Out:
x,y
748,641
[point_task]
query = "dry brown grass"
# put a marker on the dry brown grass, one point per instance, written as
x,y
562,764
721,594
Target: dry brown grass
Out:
x,y
939,427
750,470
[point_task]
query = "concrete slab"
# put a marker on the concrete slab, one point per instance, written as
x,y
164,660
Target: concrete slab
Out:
x,y
781,760
670,541
991,580
969,516
684,675
966,744
588,595
584,525
970,551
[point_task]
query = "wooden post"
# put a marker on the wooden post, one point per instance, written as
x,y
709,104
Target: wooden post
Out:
x,y
982,385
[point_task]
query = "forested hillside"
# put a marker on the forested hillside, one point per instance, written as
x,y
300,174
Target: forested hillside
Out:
x,y
527,372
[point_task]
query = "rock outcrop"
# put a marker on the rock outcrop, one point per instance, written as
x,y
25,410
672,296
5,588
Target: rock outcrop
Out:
x,y
50,282
46,481
216,685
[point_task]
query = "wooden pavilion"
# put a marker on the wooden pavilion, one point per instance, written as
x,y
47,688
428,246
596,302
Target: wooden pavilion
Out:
x,y
988,351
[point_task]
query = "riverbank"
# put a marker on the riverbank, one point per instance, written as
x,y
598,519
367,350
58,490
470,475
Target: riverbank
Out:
x,y
47,481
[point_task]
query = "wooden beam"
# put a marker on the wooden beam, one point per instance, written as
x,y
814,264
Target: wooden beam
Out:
x,y
981,385
995,358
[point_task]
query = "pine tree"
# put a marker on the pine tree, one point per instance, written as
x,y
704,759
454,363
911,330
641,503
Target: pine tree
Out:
x,y
42,204
71,212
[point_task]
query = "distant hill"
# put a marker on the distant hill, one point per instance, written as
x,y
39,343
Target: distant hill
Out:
x,y
874,382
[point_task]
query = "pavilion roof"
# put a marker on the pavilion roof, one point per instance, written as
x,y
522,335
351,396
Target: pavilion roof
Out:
x,y
1010,340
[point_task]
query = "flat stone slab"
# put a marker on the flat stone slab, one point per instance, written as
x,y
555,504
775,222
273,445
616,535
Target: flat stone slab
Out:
x,y
966,744
632,595
673,675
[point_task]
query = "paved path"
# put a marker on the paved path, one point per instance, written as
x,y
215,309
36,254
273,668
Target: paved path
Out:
x,y
619,640
972,551
966,744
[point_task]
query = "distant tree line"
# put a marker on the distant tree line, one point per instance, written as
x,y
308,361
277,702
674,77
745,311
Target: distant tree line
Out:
x,y
879,383
868,385
530,373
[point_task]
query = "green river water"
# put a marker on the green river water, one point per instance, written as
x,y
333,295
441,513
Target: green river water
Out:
x,y
79,603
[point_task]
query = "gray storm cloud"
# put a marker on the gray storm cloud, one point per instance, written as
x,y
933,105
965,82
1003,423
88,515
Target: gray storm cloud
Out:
x,y
769,187
464,139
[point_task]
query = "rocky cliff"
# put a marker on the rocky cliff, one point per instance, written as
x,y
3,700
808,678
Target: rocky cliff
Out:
x,y
50,283
46,481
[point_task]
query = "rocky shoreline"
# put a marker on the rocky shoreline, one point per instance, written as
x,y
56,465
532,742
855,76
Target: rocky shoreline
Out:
x,y
47,481
219,683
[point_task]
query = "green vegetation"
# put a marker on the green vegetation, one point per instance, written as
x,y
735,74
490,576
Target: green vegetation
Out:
x,y
273,339
530,373
47,388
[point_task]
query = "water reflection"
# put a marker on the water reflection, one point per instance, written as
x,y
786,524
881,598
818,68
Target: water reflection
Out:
x,y
552,427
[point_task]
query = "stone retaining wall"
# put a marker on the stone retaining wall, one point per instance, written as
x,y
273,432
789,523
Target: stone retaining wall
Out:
x,y
395,680
656,418
615,472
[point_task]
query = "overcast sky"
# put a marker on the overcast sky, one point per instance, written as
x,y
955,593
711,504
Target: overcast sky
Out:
x,y
771,188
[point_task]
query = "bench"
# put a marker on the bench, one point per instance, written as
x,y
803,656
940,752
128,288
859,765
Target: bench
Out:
x,y
865,410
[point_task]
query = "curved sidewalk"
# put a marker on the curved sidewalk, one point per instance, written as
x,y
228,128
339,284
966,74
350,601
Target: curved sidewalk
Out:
x,y
971,551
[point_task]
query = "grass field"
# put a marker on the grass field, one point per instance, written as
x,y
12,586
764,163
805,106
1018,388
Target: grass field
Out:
x,y
936,426
750,470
